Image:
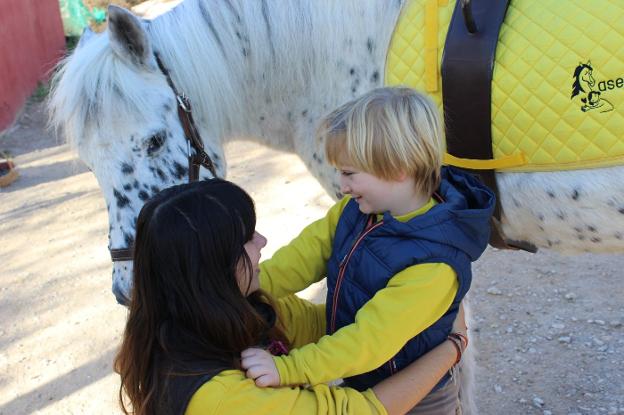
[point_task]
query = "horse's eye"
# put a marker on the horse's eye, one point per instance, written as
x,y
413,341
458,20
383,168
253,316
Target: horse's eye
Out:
x,y
155,142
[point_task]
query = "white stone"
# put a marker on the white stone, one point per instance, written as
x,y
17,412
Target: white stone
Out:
x,y
494,291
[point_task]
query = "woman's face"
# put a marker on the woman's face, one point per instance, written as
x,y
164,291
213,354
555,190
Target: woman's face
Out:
x,y
253,248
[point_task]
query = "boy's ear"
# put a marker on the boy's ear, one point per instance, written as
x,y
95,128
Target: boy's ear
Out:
x,y
402,176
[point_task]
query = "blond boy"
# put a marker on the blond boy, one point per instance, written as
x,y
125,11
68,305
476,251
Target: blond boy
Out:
x,y
396,250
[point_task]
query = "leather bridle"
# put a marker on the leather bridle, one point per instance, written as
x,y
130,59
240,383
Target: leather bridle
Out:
x,y
197,156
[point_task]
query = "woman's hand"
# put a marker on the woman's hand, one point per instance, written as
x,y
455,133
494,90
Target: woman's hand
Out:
x,y
260,367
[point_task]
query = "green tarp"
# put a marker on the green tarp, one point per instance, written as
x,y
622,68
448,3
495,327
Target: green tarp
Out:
x,y
76,16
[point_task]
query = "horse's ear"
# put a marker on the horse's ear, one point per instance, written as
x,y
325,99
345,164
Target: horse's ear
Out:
x,y
87,34
127,36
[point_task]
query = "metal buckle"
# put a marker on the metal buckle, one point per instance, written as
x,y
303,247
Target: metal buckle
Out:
x,y
184,102
188,148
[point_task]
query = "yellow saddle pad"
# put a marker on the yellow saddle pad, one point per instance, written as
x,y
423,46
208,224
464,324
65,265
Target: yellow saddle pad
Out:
x,y
558,87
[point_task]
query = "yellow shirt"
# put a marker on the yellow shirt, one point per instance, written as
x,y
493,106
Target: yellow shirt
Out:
x,y
230,392
413,300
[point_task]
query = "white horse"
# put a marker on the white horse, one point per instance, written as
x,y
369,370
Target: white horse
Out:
x,y
269,70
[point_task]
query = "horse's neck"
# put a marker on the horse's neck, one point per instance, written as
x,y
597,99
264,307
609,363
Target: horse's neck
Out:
x,y
266,70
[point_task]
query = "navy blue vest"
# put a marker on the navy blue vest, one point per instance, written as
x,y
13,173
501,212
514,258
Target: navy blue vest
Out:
x,y
367,254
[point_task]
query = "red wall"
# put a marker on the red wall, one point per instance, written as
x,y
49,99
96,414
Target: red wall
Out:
x,y
31,42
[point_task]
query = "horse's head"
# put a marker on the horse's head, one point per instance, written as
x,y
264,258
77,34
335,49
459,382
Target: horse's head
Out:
x,y
117,110
583,79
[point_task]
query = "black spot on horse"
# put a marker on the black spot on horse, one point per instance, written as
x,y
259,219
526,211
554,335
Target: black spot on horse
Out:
x,y
127,187
262,118
161,174
550,194
374,77
618,236
180,171
155,189
355,85
540,217
126,168
143,195
596,240
128,238
338,195
575,194
561,215
352,71
122,200
317,158
621,210
370,45
304,113
591,228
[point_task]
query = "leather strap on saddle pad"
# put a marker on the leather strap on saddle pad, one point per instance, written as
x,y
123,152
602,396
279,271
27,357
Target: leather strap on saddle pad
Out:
x,y
467,67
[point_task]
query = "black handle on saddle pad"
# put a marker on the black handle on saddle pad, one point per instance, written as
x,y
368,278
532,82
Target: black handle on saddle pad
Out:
x,y
467,72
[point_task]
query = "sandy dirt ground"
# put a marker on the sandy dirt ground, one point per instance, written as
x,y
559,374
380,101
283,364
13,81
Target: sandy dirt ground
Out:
x,y
548,327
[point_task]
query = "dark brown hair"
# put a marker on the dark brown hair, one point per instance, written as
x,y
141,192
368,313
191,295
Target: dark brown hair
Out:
x,y
189,243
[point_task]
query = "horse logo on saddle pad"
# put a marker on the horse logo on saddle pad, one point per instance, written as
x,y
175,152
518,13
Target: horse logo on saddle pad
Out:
x,y
584,85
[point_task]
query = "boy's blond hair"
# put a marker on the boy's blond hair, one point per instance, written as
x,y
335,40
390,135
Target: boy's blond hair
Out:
x,y
387,132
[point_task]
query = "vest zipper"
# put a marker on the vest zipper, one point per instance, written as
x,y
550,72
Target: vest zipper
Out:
x,y
342,267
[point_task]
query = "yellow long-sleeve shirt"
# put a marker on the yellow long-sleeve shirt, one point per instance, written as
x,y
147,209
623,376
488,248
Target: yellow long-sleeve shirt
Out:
x,y
413,300
230,392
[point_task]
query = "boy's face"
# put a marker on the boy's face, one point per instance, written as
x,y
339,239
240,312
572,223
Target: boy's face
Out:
x,y
373,195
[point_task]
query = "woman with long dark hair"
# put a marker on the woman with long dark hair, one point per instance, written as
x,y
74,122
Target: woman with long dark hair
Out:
x,y
196,306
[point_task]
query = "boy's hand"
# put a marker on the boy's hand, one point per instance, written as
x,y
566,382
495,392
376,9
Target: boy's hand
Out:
x,y
260,367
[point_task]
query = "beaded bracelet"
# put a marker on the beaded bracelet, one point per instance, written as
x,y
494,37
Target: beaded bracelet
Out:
x,y
463,339
457,348
460,342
